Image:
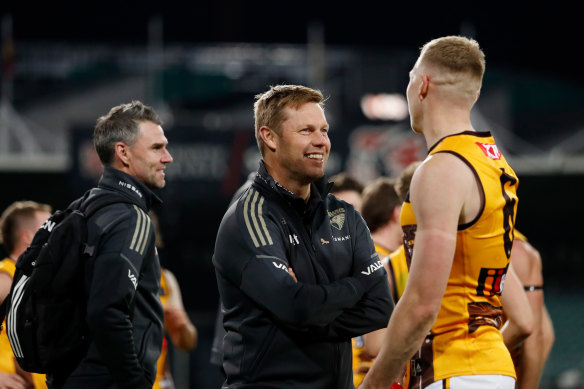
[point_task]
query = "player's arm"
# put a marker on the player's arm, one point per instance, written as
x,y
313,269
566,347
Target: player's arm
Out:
x,y
439,191
176,321
548,334
373,340
520,316
8,380
5,284
527,264
12,381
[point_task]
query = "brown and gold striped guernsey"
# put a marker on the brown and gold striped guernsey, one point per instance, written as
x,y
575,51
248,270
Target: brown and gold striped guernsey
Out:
x,y
465,338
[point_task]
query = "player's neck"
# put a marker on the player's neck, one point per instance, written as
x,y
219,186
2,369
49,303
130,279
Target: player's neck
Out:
x,y
384,239
440,125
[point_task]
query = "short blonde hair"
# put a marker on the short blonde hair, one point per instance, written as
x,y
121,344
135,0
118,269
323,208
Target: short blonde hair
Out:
x,y
16,217
456,56
269,107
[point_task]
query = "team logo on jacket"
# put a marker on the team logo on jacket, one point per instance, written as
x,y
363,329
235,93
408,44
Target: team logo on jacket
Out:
x,y
337,218
491,150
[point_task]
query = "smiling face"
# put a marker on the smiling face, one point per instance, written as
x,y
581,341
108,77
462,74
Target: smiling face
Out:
x,y
299,153
148,156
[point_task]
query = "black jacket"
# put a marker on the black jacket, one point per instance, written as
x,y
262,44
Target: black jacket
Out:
x,y
282,334
122,282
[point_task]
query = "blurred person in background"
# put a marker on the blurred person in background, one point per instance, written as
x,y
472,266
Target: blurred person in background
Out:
x,y
18,224
397,260
531,354
347,188
380,210
177,324
296,268
458,225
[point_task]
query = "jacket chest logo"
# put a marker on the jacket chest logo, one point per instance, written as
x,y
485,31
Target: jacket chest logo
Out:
x,y
293,239
337,218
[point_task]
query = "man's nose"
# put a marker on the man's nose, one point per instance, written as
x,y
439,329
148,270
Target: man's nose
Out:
x,y
167,158
320,138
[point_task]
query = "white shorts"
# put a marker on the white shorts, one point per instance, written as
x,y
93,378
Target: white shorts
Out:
x,y
483,381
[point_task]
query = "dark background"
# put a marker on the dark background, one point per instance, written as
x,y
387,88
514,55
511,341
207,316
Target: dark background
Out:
x,y
525,36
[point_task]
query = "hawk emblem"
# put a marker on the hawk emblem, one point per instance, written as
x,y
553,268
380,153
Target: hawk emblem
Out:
x,y
337,218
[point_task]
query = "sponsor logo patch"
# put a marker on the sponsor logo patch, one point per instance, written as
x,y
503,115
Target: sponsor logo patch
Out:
x,y
490,150
293,239
491,281
372,268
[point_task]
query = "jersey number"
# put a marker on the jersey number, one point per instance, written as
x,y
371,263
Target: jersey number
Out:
x,y
508,212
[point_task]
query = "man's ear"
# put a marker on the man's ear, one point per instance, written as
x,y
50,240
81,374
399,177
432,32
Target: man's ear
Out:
x,y
268,136
395,215
424,85
121,150
26,237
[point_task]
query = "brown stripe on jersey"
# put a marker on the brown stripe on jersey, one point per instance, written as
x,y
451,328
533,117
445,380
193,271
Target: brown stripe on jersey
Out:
x,y
422,365
394,281
483,314
409,235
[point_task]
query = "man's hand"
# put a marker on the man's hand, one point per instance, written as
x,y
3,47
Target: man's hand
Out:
x,y
182,332
291,272
12,381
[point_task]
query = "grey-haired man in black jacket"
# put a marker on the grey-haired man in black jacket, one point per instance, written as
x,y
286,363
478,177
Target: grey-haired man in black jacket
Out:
x,y
122,280
296,268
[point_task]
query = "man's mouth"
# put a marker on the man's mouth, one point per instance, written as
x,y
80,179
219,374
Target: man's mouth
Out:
x,y
318,157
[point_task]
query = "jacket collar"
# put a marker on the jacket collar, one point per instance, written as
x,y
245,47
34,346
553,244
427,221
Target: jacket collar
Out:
x,y
318,191
129,186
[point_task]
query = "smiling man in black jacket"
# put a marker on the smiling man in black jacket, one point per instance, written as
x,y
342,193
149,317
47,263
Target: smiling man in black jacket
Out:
x,y
122,279
297,271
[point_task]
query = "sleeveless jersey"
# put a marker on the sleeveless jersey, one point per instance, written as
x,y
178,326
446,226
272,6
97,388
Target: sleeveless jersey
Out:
x,y
465,338
7,360
399,272
163,376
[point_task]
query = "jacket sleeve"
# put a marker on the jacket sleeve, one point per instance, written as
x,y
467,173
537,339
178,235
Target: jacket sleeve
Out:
x,y
113,275
251,255
372,312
